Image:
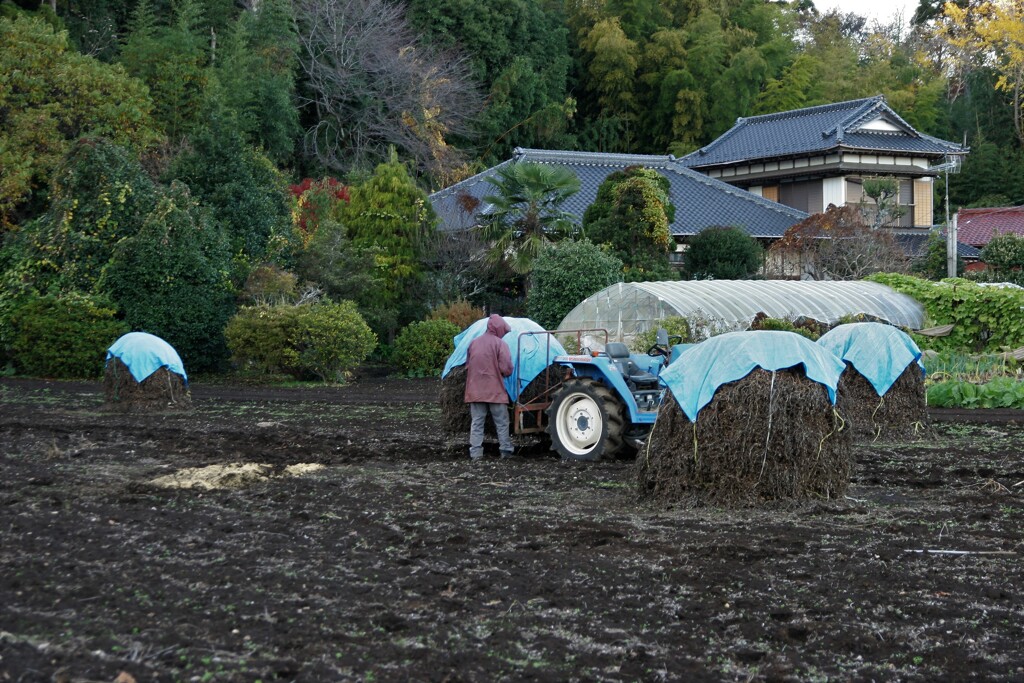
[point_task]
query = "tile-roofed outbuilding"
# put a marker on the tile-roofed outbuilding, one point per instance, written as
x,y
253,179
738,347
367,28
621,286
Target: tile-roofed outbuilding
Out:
x,y
699,201
865,125
978,226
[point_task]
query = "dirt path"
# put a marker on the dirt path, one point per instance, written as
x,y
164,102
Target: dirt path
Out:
x,y
400,560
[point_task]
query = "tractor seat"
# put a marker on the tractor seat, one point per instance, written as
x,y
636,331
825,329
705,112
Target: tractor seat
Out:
x,y
619,355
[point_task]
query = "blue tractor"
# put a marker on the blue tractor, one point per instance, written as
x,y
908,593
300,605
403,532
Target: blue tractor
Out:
x,y
598,402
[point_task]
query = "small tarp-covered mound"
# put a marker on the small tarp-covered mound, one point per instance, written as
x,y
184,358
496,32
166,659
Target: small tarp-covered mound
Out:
x,y
144,372
882,391
529,363
748,417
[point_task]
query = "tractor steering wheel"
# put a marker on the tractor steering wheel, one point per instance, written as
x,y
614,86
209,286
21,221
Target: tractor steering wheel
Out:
x,y
656,350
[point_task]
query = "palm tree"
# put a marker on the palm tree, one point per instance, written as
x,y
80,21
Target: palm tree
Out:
x,y
525,212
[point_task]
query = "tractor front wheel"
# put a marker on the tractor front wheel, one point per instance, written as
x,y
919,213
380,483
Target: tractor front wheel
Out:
x,y
585,421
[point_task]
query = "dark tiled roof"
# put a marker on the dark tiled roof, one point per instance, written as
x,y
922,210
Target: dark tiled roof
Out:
x,y
978,226
915,244
816,130
700,201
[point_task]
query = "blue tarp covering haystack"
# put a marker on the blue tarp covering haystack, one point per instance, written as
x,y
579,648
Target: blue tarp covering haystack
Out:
x,y
882,390
143,354
748,417
529,361
695,377
879,352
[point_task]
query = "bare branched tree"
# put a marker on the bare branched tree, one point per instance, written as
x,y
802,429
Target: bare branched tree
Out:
x,y
373,84
839,245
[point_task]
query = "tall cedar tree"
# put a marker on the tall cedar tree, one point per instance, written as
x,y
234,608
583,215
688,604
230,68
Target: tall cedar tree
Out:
x,y
631,215
390,213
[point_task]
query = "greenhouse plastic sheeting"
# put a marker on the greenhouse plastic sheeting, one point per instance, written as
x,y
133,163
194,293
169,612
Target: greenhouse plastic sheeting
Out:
x,y
700,370
144,354
536,354
879,352
628,309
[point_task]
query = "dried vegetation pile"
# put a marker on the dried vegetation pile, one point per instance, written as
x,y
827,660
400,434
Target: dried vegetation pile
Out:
x,y
163,390
901,413
761,438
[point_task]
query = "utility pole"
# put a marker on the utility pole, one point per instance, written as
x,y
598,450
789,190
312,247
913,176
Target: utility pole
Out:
x,y
951,247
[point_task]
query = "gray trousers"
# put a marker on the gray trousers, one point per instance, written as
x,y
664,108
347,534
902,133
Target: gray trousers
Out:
x,y
499,413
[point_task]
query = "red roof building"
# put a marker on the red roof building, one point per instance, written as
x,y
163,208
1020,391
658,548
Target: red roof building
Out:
x,y
977,226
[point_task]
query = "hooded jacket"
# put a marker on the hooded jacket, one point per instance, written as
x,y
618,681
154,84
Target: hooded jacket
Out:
x,y
488,360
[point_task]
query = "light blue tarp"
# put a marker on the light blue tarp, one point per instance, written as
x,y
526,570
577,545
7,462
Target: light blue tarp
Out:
x,y
144,354
536,354
695,377
879,352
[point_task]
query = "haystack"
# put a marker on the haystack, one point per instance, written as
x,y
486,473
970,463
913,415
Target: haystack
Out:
x,y
881,392
765,437
162,390
901,413
455,413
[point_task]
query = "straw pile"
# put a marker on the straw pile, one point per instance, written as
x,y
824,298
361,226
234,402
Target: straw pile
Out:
x,y
455,413
755,442
163,390
902,413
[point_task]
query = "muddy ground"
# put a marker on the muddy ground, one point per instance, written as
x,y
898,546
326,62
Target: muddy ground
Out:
x,y
400,560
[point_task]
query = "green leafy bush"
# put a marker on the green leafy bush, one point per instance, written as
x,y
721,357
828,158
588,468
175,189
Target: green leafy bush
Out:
x,y
64,337
983,318
170,279
333,339
1001,392
566,273
261,339
422,348
674,325
723,253
323,340
780,325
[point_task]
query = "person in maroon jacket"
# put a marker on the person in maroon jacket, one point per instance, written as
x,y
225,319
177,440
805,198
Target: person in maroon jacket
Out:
x,y
488,360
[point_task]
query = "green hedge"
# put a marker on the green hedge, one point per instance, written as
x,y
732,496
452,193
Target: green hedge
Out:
x,y
983,318
422,348
323,340
65,337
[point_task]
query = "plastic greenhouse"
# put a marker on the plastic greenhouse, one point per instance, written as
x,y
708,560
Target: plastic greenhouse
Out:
x,y
627,309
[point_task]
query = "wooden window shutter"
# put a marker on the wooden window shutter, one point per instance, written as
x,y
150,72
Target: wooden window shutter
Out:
x,y
923,203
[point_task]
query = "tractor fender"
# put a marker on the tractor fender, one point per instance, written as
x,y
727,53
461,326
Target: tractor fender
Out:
x,y
600,368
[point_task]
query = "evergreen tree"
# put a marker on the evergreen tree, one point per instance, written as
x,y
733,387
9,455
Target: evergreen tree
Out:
x,y
241,187
99,196
171,61
630,216
722,253
168,279
49,97
527,212
390,214
255,68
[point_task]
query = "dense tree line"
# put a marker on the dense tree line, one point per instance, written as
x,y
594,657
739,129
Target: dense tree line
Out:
x,y
172,160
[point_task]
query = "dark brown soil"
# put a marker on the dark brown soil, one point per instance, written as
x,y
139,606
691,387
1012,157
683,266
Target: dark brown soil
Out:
x,y
403,561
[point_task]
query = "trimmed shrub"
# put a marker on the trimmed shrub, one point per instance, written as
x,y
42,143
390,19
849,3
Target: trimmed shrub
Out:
x,y
422,348
460,313
260,339
723,253
565,274
323,340
64,337
333,339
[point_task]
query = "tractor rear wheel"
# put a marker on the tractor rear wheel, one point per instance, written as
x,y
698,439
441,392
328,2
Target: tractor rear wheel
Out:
x,y
585,421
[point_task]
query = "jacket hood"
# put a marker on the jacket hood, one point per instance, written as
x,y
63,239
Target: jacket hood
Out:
x,y
497,326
